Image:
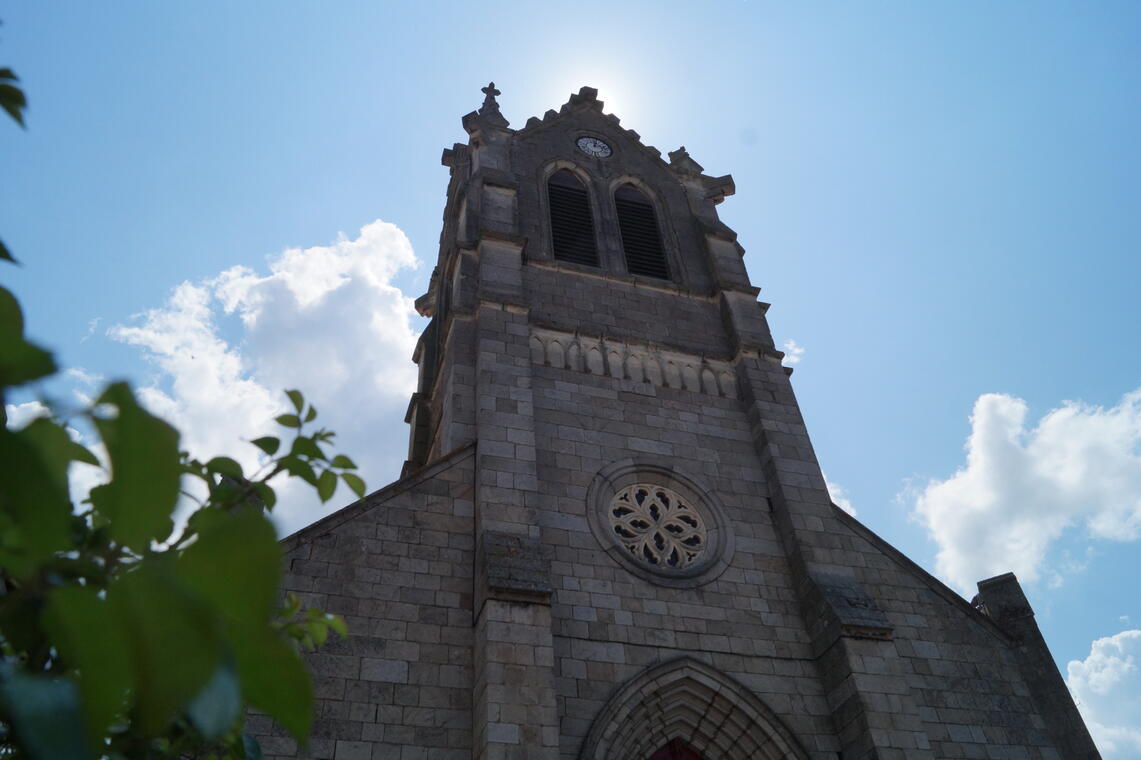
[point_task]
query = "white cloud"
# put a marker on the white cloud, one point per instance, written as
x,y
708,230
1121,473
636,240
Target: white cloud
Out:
x,y
1068,566
83,384
325,320
839,496
792,352
20,415
92,325
1022,488
1107,687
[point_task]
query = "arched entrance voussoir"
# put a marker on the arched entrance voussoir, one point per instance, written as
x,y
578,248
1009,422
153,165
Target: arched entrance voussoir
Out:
x,y
688,701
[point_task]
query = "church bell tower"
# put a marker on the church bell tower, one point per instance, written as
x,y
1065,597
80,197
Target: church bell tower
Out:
x,y
612,539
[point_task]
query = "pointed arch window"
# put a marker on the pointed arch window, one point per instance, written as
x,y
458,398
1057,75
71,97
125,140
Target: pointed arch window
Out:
x,y
641,238
572,224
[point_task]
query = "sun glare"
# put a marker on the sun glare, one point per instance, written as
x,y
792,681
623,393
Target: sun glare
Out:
x,y
613,91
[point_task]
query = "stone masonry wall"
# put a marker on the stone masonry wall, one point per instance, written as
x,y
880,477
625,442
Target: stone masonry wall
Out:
x,y
609,624
619,310
398,567
963,674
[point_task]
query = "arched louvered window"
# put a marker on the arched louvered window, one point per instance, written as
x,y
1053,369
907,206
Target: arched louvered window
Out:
x,y
572,225
641,240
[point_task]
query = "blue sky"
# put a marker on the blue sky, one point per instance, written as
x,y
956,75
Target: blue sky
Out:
x,y
941,201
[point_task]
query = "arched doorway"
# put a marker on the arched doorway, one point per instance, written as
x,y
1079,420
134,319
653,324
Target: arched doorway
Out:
x,y
687,710
676,749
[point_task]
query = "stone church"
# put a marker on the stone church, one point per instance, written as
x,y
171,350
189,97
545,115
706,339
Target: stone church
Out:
x,y
612,539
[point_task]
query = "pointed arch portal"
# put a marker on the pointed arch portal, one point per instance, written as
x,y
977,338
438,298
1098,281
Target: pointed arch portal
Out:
x,y
687,710
676,750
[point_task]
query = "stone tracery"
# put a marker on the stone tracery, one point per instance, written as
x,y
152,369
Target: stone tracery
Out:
x,y
658,527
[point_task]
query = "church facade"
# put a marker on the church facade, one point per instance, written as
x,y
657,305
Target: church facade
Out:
x,y
612,539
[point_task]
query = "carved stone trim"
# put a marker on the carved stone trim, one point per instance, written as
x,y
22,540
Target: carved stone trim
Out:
x,y
637,362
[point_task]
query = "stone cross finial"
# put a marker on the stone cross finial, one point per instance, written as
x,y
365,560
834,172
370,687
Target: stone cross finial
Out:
x,y
490,109
490,92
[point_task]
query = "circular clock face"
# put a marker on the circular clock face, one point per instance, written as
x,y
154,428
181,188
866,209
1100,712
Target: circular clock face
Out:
x,y
592,146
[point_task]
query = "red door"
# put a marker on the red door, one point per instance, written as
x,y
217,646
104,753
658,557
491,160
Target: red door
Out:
x,y
676,750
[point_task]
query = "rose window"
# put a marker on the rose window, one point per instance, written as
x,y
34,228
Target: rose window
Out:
x,y
657,527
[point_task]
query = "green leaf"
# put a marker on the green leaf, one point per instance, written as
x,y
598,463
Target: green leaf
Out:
x,y
292,606
275,680
145,469
338,624
251,747
52,444
33,498
11,315
20,361
174,638
297,399
288,420
215,708
318,632
12,98
265,494
355,483
268,444
5,254
45,716
225,466
306,447
20,621
80,453
343,462
299,468
234,566
91,641
326,485
56,448
311,414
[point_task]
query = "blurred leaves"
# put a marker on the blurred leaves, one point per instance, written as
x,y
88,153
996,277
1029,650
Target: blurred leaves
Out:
x,y
20,361
116,633
143,449
12,98
44,713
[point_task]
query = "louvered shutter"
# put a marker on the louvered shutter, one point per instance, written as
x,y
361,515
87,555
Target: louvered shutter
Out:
x,y
641,241
572,226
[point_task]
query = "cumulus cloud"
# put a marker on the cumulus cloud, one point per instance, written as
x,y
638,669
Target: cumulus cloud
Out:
x,y
326,320
839,496
20,415
1022,487
793,352
1107,688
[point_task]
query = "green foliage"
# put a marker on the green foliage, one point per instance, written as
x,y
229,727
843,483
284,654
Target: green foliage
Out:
x,y
13,101
118,638
12,98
